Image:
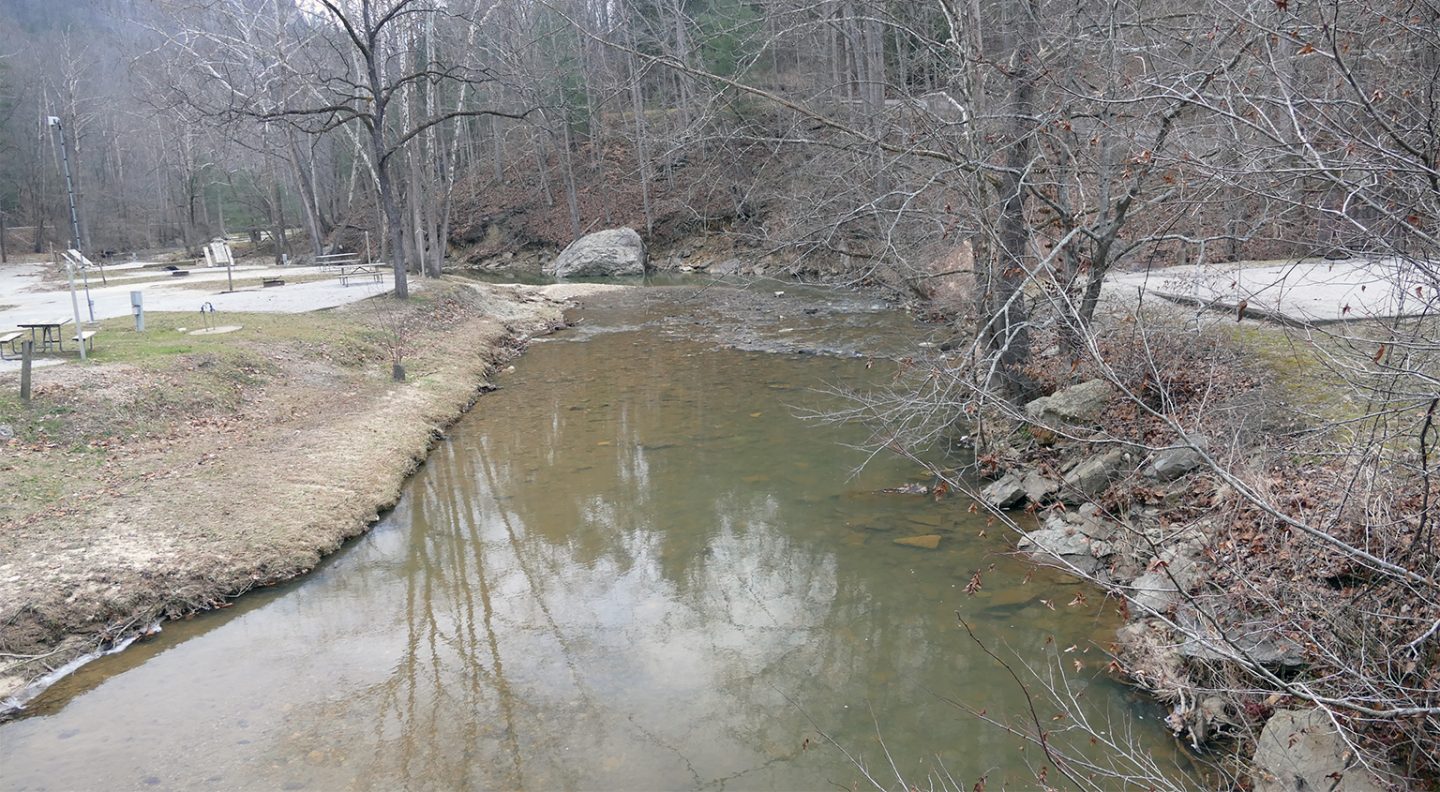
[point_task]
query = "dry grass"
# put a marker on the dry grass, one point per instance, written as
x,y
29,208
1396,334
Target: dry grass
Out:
x,y
178,471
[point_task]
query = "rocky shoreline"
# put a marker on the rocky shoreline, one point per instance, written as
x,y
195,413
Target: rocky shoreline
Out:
x,y
1124,516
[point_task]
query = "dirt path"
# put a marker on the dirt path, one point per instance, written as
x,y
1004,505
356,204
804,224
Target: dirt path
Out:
x,y
155,487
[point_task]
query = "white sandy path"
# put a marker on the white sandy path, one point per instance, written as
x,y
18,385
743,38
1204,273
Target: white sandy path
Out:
x,y
1301,291
21,288
31,300
180,294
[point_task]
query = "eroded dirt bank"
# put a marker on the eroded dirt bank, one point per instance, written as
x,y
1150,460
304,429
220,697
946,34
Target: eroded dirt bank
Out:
x,y
173,473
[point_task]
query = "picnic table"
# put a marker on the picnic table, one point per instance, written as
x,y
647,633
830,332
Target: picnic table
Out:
x,y
50,333
368,272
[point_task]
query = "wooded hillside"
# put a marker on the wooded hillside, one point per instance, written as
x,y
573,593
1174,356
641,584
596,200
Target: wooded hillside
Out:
x,y
1151,132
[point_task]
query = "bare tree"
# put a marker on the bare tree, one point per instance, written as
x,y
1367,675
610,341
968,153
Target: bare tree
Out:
x,y
346,63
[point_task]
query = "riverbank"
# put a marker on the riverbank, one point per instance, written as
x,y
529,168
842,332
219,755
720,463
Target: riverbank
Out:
x,y
175,472
1222,480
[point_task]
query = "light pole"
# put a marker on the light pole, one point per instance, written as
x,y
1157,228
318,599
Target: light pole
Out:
x,y
69,184
74,229
75,216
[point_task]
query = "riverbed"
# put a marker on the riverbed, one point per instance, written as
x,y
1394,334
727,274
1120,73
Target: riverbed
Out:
x,y
638,565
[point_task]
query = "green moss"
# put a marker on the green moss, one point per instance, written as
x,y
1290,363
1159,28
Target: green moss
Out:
x,y
1296,365
1329,376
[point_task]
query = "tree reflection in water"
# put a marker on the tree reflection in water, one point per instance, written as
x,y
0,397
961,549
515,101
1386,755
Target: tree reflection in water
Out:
x,y
631,568
628,583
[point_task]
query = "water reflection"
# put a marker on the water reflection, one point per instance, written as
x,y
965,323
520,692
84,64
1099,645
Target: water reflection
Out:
x,y
632,568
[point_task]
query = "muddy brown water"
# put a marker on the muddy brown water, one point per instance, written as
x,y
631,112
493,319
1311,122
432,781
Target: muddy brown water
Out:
x,y
633,567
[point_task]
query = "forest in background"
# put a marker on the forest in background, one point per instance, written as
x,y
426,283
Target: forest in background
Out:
x,y
880,132
1025,148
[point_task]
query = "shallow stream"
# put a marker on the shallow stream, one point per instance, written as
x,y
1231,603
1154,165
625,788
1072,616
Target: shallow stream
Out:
x,y
632,567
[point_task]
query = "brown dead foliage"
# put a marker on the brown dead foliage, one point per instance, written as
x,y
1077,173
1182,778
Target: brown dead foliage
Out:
x,y
1365,632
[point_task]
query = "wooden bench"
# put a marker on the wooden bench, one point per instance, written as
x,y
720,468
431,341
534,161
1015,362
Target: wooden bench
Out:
x,y
331,261
11,339
267,282
86,336
372,274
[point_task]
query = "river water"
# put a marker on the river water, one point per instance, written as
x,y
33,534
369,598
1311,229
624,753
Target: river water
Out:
x,y
633,567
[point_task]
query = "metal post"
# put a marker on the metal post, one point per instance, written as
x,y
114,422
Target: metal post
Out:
x,y
3,257
75,307
89,303
137,307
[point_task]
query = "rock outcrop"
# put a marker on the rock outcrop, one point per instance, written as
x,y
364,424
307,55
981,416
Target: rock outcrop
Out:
x,y
614,251
1301,751
1067,545
1076,404
1006,493
1090,478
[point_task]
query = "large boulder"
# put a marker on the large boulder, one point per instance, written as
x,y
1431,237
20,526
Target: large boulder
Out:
x,y
1090,478
1159,589
1172,463
1215,630
1301,751
1076,404
1038,487
1007,493
614,251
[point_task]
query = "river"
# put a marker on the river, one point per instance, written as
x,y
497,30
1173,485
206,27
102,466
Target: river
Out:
x,y
635,566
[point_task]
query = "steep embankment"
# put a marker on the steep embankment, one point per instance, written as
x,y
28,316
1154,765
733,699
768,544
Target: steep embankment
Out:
x,y
1205,488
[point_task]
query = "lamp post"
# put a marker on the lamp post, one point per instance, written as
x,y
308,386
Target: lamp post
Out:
x,y
69,184
75,215
74,229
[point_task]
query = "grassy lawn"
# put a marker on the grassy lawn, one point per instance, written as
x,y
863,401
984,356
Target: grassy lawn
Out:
x,y
135,385
338,337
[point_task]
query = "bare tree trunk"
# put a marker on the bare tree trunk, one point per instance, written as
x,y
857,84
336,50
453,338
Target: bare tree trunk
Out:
x,y
1007,324
307,194
642,157
571,199
414,199
498,148
281,239
541,162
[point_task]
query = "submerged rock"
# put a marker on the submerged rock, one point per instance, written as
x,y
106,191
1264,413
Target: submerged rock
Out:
x,y
614,251
1076,404
927,541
